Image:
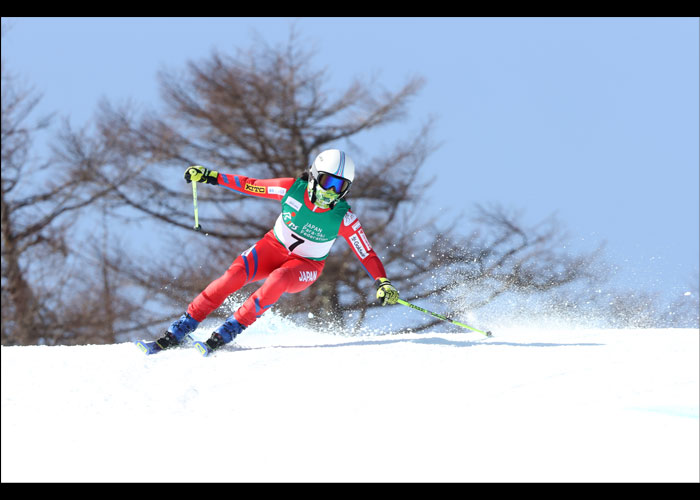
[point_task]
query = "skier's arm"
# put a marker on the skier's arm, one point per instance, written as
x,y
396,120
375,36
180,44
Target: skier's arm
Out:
x,y
351,230
264,188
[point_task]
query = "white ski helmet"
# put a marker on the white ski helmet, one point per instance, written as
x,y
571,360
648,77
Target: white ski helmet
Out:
x,y
330,177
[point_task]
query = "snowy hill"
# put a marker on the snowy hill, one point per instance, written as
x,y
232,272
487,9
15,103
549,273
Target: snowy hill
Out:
x,y
290,404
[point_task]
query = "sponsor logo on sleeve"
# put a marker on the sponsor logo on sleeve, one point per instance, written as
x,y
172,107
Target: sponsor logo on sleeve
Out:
x,y
255,189
364,239
276,190
358,246
349,218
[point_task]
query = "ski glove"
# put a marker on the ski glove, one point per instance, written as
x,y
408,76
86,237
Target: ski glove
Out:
x,y
386,293
197,173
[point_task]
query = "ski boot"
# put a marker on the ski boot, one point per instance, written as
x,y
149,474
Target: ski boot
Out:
x,y
181,327
221,336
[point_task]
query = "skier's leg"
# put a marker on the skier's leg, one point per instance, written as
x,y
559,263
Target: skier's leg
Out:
x,y
252,265
218,290
293,276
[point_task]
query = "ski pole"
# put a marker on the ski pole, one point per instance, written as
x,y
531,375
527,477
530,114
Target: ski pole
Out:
x,y
440,316
197,227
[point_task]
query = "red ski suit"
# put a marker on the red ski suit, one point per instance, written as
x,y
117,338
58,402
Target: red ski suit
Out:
x,y
269,260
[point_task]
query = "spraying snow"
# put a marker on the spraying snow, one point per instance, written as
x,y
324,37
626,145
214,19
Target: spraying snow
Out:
x,y
285,403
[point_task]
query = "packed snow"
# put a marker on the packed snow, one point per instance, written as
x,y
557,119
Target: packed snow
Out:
x,y
288,404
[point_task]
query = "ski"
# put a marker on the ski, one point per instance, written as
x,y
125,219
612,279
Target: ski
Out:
x,y
149,347
203,348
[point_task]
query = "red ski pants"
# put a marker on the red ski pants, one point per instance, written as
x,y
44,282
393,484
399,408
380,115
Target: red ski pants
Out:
x,y
268,259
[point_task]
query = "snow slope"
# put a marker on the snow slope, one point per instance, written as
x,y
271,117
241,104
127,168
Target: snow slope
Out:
x,y
288,404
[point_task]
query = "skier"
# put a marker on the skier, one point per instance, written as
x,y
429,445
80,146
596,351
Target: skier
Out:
x,y
291,256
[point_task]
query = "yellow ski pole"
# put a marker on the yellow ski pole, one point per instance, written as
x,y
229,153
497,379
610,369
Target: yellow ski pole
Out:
x,y
440,316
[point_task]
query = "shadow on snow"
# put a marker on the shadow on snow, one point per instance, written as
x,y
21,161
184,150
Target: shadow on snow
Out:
x,y
428,340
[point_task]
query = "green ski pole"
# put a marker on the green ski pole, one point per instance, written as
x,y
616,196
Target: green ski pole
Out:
x,y
197,227
440,316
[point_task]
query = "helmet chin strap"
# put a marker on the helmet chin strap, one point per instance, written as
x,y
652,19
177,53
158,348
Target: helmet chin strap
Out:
x,y
312,190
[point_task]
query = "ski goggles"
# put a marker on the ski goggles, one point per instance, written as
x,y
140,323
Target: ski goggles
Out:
x,y
330,181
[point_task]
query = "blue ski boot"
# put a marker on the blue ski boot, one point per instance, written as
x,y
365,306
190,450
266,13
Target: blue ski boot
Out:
x,y
181,327
222,335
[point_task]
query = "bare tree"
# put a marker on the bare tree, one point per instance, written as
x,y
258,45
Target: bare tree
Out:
x,y
41,199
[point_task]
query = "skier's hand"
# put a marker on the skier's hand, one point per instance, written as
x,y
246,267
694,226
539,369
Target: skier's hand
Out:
x,y
197,173
386,293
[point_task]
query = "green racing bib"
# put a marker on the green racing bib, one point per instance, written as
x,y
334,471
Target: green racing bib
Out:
x,y
303,231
